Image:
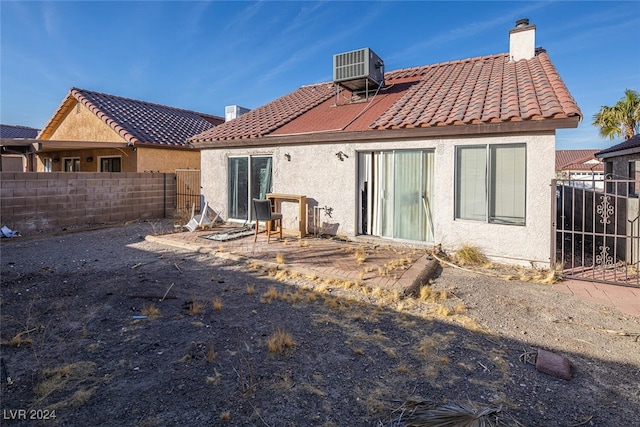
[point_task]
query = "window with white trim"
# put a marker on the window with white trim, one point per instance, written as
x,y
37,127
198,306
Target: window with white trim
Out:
x,y
490,183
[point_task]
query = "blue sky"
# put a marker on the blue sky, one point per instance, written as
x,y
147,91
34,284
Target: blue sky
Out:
x,y
202,56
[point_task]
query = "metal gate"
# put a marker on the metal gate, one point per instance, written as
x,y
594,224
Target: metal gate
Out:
x,y
596,231
188,189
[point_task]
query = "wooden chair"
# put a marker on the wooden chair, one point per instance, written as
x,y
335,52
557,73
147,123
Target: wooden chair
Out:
x,y
263,212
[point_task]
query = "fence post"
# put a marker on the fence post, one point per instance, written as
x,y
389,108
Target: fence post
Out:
x,y
554,217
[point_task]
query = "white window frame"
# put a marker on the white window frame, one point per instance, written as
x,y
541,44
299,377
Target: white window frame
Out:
x,y
483,199
47,163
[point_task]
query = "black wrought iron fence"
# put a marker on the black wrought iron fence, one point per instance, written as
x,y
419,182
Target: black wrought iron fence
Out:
x,y
596,231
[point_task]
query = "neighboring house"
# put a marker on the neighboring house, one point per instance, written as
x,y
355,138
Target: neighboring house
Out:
x,y
580,168
17,150
96,132
455,153
622,161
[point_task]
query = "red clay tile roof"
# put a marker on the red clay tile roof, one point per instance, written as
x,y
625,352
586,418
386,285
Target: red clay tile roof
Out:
x,y
266,119
138,122
482,90
17,132
633,142
576,160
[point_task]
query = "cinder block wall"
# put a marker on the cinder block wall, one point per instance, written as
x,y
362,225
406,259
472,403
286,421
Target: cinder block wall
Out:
x,y
31,201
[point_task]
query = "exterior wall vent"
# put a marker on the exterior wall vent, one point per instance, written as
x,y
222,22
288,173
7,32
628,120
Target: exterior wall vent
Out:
x,y
358,69
233,111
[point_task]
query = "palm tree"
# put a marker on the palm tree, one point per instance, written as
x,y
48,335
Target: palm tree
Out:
x,y
623,119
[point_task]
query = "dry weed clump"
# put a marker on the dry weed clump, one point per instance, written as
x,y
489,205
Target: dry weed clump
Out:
x,y
281,275
150,311
280,341
64,378
427,294
471,256
279,258
418,412
361,255
181,216
547,277
251,289
217,303
403,369
271,294
18,340
211,353
195,307
303,243
215,379
81,396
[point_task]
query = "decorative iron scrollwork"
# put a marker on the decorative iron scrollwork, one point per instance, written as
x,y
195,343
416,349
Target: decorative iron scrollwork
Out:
x,y
605,210
603,258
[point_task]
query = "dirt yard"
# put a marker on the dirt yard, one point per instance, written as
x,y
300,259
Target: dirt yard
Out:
x,y
104,328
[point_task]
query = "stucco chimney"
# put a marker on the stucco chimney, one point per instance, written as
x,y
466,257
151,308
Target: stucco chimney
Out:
x,y
233,111
522,40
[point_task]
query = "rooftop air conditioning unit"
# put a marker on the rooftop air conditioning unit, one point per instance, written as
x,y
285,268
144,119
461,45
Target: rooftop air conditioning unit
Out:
x,y
358,69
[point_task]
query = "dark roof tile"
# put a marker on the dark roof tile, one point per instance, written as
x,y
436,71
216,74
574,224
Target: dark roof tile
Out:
x,y
17,132
140,122
633,142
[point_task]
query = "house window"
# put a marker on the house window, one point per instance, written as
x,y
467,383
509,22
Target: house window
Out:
x,y
248,178
490,183
110,164
48,164
72,164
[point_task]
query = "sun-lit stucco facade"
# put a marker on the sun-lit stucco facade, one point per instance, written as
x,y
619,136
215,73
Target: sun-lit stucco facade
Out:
x,y
327,179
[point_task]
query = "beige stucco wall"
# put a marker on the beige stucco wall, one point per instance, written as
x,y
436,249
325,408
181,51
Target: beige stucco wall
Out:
x,y
315,171
126,155
80,124
166,160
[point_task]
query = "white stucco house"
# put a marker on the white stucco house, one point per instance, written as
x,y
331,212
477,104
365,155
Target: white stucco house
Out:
x,y
454,153
580,168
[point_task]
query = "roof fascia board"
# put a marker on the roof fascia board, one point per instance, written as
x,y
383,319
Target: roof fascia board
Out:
x,y
17,142
396,134
153,146
625,152
48,143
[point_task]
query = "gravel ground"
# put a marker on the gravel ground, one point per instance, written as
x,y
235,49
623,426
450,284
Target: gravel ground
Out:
x,y
102,327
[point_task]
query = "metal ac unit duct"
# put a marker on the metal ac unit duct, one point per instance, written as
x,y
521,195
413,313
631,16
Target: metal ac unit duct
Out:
x,y
358,69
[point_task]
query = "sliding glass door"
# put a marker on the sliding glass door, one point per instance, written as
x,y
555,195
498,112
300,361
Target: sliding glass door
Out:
x,y
248,178
395,194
